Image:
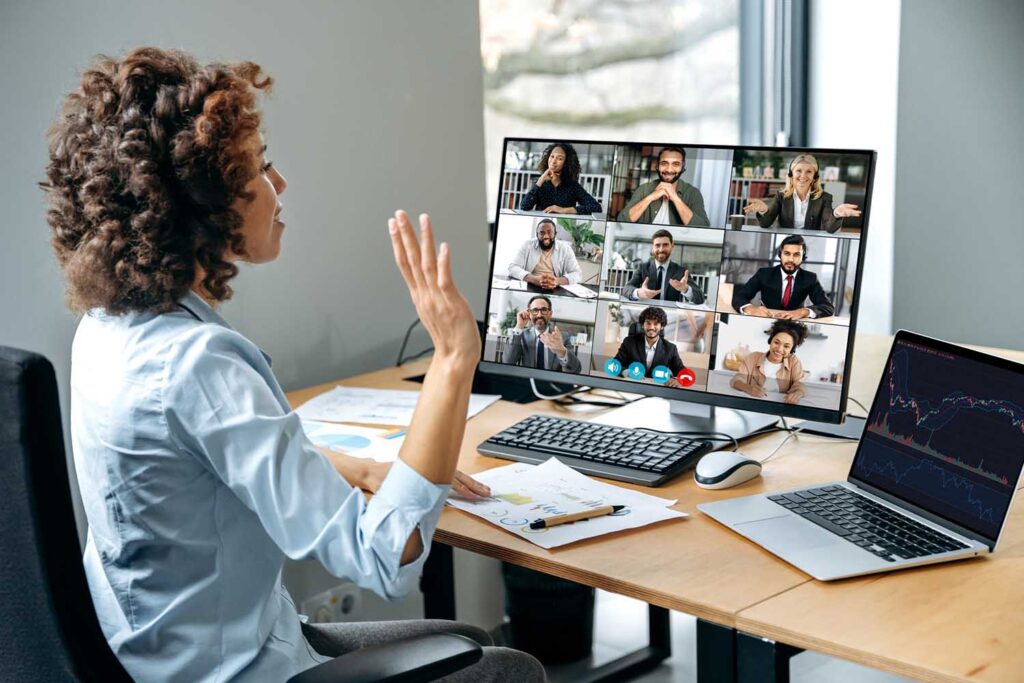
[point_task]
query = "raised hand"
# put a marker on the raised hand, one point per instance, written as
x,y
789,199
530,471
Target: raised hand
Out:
x,y
844,210
645,292
552,340
442,308
522,319
757,205
682,284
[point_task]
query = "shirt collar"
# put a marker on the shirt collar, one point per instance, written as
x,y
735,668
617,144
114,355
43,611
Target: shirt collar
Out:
x,y
194,304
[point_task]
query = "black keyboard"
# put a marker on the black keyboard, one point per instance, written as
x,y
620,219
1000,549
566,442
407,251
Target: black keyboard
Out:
x,y
863,522
634,455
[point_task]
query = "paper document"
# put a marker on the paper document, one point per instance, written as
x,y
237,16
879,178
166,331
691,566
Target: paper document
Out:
x,y
374,406
580,291
522,493
381,445
515,285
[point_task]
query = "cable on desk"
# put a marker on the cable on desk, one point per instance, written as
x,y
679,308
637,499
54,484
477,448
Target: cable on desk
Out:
x,y
861,405
536,392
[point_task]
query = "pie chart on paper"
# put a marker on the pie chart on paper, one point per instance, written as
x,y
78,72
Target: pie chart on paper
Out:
x,y
349,442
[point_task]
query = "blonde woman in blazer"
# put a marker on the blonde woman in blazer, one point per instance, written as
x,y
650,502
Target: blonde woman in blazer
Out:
x,y
803,204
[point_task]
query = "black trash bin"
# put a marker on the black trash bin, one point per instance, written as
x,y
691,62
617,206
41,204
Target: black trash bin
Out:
x,y
549,617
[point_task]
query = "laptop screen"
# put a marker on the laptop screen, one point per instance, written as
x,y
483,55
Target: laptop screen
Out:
x,y
946,432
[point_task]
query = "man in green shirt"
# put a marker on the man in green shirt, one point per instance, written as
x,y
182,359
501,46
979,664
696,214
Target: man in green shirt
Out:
x,y
668,199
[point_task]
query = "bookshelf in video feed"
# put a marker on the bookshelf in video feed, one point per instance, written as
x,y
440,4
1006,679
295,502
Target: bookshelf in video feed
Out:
x,y
957,451
724,270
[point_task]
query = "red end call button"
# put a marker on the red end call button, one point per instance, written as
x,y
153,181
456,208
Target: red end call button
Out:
x,y
686,377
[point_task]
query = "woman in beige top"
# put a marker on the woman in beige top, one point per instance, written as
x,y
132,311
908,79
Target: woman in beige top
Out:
x,y
778,369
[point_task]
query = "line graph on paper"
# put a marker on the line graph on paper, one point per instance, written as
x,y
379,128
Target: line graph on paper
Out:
x,y
979,434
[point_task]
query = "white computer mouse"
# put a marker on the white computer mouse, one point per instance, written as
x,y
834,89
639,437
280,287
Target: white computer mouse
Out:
x,y
722,469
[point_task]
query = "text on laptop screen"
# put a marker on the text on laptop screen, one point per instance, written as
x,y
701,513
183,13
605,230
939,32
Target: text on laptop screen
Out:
x,y
946,433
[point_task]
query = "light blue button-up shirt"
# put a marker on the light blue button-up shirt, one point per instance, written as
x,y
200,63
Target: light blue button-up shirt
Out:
x,y
198,481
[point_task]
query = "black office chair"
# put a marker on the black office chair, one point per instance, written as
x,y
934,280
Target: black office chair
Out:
x,y
48,626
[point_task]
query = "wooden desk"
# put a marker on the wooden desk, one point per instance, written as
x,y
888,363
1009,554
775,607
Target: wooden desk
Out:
x,y
959,621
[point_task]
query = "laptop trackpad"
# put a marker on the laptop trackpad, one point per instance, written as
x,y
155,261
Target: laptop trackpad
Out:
x,y
788,533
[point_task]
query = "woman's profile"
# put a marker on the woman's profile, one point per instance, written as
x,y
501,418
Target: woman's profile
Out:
x,y
196,477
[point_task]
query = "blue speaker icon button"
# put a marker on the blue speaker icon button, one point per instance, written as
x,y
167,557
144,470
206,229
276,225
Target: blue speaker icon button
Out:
x,y
636,370
660,374
613,367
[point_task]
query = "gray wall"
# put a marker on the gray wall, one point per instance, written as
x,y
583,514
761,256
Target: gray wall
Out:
x,y
376,106
959,232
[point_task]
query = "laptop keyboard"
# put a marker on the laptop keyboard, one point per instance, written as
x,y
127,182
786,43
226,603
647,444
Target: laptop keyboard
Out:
x,y
858,519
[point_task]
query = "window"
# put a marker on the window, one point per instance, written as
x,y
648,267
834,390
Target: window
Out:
x,y
609,70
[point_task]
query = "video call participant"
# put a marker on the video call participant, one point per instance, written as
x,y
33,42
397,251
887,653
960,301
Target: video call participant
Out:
x,y
803,203
778,369
558,189
668,199
784,288
659,278
649,347
541,345
545,261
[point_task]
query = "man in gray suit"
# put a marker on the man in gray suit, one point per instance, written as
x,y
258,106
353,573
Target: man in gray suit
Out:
x,y
537,343
659,278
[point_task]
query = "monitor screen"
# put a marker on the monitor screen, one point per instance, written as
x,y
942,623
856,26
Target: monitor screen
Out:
x,y
946,433
719,275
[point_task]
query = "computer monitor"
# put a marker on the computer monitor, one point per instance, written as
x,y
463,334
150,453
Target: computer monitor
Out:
x,y
723,278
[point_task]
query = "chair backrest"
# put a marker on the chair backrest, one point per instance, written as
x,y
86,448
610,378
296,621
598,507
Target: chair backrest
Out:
x,y
48,626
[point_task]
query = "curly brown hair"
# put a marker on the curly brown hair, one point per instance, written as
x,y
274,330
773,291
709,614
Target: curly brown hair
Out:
x,y
797,330
146,158
571,169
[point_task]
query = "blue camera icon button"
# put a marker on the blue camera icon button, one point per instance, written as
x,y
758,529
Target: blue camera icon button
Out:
x,y
661,374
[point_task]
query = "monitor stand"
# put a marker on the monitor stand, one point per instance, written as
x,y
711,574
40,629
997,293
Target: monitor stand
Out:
x,y
682,416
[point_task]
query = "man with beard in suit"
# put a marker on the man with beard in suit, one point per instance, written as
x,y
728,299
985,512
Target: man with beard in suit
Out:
x,y
660,278
784,288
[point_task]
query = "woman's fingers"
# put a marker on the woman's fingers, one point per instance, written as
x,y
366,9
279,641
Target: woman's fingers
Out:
x,y
468,487
428,257
411,246
401,258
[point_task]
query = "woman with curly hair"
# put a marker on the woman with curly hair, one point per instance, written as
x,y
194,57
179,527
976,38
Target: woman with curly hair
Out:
x,y
778,369
196,476
558,189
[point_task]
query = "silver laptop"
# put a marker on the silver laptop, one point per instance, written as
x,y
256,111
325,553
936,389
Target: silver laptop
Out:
x,y
932,480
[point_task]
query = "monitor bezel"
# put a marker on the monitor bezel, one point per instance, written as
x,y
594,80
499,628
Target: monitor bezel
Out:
x,y
960,352
701,397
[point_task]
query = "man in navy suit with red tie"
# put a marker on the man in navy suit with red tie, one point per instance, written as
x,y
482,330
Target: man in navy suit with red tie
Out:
x,y
784,288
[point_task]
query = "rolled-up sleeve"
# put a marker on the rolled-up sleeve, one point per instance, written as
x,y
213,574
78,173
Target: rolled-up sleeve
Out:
x,y
220,408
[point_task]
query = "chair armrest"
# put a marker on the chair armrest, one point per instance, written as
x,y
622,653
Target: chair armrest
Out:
x,y
417,658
